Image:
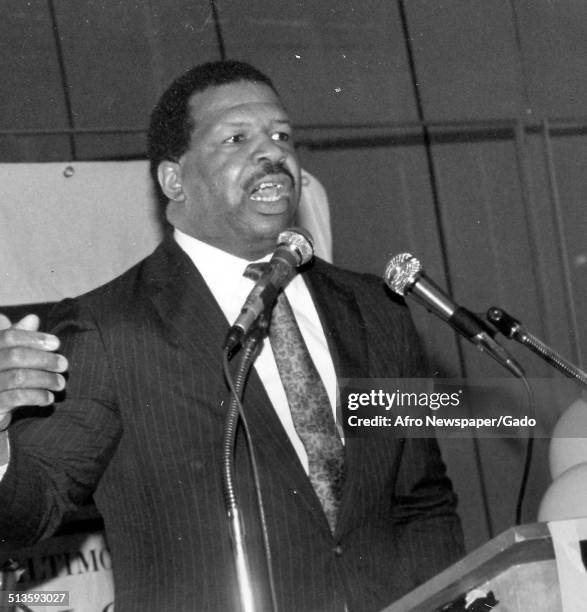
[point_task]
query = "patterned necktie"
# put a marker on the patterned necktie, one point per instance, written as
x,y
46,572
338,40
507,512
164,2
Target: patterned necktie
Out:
x,y
309,405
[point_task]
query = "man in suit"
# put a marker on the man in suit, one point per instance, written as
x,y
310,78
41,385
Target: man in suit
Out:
x,y
140,423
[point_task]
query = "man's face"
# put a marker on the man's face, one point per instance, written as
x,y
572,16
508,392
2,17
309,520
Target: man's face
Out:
x,y
240,178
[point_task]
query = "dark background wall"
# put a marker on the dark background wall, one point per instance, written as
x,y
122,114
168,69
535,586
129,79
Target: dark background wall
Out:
x,y
454,129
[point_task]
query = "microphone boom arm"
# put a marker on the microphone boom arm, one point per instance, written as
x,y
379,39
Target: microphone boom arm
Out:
x,y
513,329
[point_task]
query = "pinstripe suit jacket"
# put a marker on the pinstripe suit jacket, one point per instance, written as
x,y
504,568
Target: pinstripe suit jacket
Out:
x,y
141,427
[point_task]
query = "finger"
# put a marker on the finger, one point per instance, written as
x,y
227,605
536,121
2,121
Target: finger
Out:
x,y
31,379
22,357
30,322
14,336
16,398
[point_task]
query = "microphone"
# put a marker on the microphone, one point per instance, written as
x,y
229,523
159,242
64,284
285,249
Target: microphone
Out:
x,y
404,275
294,248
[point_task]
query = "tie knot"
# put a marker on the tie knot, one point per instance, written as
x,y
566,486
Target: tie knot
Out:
x,y
254,271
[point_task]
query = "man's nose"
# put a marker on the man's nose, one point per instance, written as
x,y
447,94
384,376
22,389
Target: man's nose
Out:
x,y
267,149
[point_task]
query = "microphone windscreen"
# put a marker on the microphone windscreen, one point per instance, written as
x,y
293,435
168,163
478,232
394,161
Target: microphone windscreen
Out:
x,y
401,272
299,241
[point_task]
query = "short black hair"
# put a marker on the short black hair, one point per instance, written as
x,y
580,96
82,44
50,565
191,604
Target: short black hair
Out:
x,y
171,124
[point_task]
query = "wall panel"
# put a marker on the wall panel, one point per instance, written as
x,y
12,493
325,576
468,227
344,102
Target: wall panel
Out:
x,y
32,92
119,60
336,63
466,58
569,161
554,49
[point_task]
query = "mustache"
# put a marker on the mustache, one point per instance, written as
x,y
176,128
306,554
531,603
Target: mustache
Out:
x,y
269,168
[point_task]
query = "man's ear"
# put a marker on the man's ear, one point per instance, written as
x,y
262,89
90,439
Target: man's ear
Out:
x,y
168,174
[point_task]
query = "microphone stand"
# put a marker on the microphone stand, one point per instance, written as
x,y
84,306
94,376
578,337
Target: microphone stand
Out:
x,y
513,329
234,517
236,530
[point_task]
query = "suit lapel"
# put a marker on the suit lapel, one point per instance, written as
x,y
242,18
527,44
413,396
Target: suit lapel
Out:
x,y
345,334
186,306
341,320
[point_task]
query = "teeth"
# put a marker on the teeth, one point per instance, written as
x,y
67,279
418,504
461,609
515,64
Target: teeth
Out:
x,y
268,192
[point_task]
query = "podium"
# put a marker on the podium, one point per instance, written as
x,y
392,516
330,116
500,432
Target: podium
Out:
x,y
521,568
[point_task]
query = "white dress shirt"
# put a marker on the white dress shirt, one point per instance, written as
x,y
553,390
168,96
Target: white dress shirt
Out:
x,y
223,273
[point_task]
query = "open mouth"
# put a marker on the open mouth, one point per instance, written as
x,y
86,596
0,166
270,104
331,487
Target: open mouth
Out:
x,y
271,190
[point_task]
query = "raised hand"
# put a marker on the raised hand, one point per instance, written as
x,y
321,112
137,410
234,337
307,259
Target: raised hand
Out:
x,y
30,370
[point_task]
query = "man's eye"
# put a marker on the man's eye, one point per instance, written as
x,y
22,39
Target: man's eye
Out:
x,y
282,136
235,138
